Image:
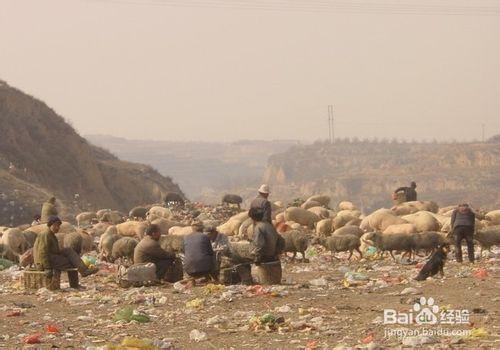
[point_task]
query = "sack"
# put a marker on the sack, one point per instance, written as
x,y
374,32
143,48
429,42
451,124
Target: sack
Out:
x,y
136,275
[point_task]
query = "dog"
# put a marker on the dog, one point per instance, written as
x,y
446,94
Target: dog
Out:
x,y
435,264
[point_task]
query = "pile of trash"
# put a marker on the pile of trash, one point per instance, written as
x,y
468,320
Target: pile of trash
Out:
x,y
324,304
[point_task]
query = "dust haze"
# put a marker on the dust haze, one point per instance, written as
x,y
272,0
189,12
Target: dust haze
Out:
x,y
145,71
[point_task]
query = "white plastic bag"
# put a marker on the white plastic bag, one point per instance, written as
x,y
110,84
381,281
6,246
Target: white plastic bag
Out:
x,y
136,275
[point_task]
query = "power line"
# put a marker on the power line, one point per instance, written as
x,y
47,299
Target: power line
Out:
x,y
322,6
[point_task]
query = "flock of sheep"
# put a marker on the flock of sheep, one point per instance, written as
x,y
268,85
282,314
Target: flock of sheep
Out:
x,y
408,227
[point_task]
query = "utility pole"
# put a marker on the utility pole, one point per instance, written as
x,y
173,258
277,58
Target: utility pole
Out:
x,y
482,129
329,126
330,123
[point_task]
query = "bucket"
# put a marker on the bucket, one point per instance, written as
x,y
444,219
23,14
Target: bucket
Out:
x,y
268,273
174,272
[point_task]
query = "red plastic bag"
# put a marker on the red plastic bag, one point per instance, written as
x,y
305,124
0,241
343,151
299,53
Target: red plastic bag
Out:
x,y
14,313
368,339
311,345
52,329
32,339
480,273
257,290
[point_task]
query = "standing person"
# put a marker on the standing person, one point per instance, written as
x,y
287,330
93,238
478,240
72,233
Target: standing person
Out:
x,y
409,192
48,209
463,221
48,256
148,250
199,257
261,202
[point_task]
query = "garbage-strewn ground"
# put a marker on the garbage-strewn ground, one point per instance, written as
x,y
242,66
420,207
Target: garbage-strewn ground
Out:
x,y
323,304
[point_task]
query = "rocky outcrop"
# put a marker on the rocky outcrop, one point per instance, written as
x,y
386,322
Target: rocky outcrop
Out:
x,y
367,173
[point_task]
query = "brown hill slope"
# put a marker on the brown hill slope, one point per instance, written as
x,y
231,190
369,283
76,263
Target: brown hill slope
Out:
x,y
49,157
367,172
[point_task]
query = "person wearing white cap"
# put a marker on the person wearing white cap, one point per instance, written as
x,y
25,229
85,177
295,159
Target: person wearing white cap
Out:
x,y
261,202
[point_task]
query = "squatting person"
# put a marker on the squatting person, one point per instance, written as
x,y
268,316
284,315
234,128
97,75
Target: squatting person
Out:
x,y
148,250
48,256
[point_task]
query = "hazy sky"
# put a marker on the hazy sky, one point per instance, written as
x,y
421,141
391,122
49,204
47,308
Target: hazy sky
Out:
x,y
141,69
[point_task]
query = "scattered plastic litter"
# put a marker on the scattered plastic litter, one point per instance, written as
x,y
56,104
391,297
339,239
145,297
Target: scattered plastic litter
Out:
x,y
478,333
480,273
410,290
195,303
52,329
33,339
198,336
320,306
418,340
318,282
89,261
128,314
14,313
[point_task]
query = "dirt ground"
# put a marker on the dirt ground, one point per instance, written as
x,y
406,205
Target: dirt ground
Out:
x,y
321,306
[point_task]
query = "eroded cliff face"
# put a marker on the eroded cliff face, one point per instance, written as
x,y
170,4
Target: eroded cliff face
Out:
x,y
41,155
367,173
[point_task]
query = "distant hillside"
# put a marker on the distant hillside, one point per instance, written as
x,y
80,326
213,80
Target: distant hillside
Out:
x,y
41,155
368,172
202,169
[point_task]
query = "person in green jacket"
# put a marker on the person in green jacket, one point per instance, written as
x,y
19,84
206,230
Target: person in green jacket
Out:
x,y
48,256
48,209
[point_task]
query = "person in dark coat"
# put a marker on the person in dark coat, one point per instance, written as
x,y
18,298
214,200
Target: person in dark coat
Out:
x,y
265,238
409,192
261,202
148,250
199,257
48,256
463,221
